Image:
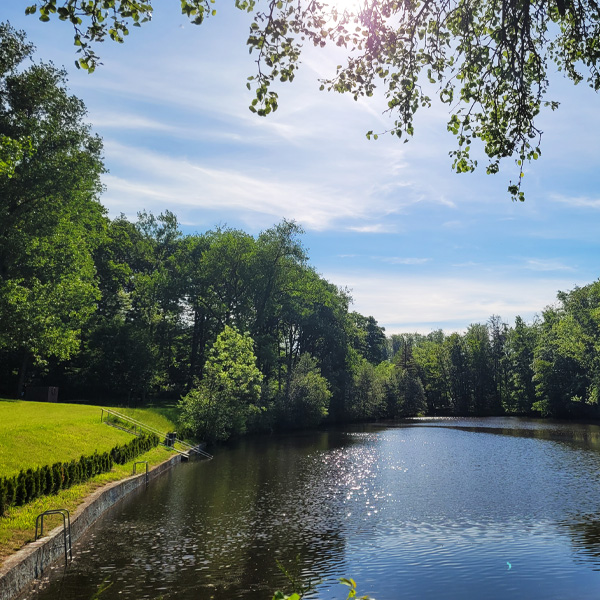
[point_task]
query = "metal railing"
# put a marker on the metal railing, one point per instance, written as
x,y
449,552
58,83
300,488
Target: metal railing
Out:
x,y
66,528
191,448
143,427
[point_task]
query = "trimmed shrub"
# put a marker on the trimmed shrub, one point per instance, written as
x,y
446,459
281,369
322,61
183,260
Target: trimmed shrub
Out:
x,y
21,490
137,446
30,491
11,489
46,480
50,479
74,472
3,504
57,478
107,462
67,483
38,490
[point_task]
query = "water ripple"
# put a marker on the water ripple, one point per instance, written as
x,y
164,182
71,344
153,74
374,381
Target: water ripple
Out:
x,y
451,508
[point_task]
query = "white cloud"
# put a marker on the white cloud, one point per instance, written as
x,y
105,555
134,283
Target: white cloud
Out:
x,y
155,181
547,264
420,303
399,260
117,122
374,228
121,121
468,264
579,202
453,225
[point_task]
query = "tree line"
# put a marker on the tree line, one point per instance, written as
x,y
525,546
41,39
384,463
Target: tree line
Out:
x,y
241,327
549,367
120,310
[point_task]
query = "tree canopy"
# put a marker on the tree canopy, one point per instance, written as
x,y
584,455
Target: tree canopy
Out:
x,y
219,407
50,217
488,60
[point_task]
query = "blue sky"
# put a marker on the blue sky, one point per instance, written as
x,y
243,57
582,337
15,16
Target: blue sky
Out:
x,y
420,247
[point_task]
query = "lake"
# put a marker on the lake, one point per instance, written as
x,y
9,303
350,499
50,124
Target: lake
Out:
x,y
495,508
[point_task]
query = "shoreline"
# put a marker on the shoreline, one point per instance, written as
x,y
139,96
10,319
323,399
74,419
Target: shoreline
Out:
x,y
25,566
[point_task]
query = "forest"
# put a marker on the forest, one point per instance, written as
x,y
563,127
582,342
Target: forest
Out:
x,y
239,329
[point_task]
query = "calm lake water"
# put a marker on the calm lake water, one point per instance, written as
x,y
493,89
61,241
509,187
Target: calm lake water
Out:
x,y
500,508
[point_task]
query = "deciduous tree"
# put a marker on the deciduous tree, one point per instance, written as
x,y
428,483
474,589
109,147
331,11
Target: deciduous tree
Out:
x,y
219,407
305,402
50,217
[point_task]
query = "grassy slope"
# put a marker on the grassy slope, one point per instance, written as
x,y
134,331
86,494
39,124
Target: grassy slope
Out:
x,y
33,434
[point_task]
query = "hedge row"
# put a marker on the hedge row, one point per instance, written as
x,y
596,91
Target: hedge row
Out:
x,y
137,446
50,479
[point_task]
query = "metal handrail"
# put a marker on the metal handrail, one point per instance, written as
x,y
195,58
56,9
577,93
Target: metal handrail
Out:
x,y
131,420
193,448
188,447
67,532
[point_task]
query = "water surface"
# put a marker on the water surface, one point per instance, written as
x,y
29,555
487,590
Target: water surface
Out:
x,y
436,509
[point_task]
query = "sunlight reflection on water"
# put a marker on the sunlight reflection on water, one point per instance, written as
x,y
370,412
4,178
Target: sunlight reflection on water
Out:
x,y
451,508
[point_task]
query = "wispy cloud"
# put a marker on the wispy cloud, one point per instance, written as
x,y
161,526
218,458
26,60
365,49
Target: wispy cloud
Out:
x,y
130,121
155,181
453,225
578,201
468,264
118,122
547,264
419,303
400,260
374,228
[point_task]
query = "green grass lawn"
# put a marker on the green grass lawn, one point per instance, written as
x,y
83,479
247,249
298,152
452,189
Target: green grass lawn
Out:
x,y
160,417
33,434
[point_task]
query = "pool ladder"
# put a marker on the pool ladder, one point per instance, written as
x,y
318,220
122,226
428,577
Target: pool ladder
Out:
x,y
66,529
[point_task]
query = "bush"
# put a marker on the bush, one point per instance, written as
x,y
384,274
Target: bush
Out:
x,y
21,490
10,490
57,477
46,480
74,472
67,481
85,467
137,446
2,496
50,479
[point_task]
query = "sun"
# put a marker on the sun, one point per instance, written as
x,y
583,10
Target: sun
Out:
x,y
350,6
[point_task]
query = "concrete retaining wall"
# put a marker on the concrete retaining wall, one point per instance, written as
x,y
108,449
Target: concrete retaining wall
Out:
x,y
22,568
